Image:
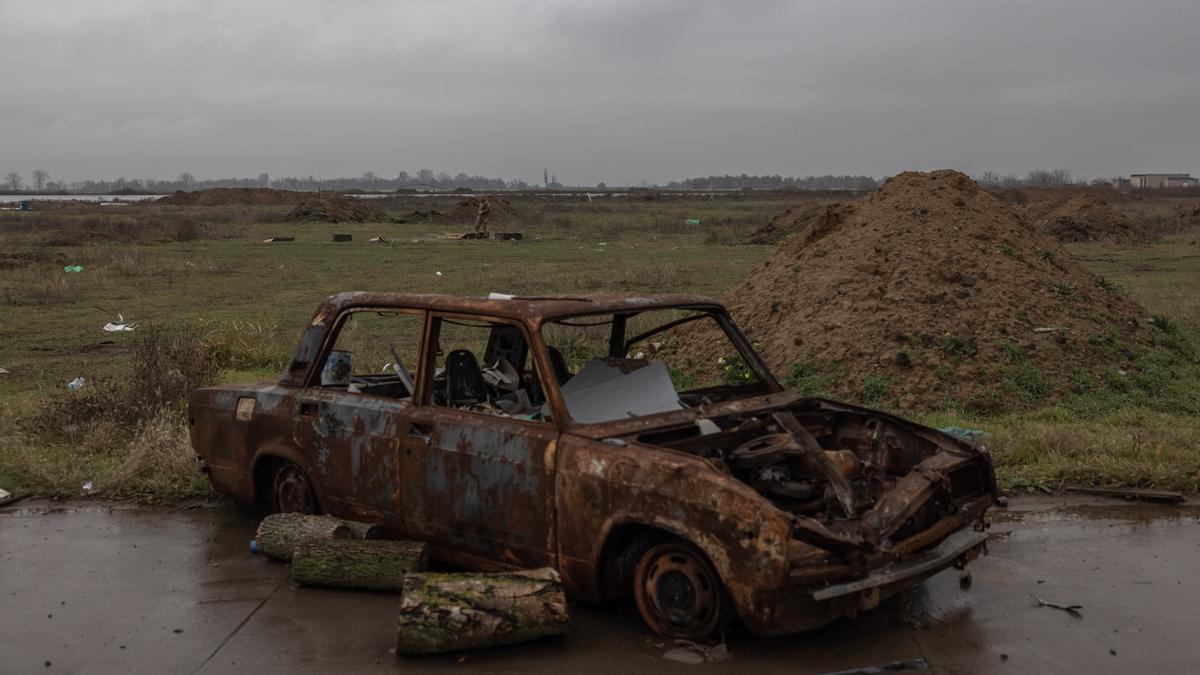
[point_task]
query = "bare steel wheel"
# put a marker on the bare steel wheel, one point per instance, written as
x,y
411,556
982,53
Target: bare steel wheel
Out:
x,y
678,593
291,491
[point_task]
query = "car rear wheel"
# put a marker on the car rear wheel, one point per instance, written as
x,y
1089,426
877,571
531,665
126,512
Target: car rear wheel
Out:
x,y
291,491
679,593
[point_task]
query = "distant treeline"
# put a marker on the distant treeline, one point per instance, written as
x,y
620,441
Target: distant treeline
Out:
x,y
777,182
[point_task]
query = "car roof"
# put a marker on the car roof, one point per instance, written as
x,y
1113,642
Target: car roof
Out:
x,y
526,308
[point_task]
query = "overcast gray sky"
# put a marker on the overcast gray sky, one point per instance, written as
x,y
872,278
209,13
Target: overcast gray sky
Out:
x,y
597,91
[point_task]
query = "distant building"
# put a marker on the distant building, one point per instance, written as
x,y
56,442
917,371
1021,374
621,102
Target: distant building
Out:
x,y
1163,180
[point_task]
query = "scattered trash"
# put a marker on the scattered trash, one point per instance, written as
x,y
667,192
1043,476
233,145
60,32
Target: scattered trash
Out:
x,y
119,326
73,269
1073,610
1050,329
965,434
691,221
893,667
439,273
254,547
87,486
342,236
7,497
1133,493
3,371
272,240
77,383
694,653
378,240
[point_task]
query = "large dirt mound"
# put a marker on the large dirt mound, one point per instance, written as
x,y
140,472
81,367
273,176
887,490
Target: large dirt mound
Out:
x,y
334,208
797,218
230,196
1085,217
931,292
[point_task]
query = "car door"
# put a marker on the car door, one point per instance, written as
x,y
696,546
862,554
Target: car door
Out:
x,y
350,436
479,486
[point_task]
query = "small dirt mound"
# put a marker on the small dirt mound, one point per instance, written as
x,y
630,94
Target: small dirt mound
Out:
x,y
1085,217
498,208
930,292
1188,213
334,208
232,196
797,218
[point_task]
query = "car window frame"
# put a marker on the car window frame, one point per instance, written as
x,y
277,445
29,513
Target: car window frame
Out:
x,y
311,380
718,313
538,359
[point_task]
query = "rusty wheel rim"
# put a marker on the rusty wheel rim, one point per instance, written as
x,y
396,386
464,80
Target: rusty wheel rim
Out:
x,y
678,593
292,493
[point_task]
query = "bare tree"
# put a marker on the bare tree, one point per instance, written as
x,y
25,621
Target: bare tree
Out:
x,y
369,178
264,180
989,179
12,181
186,179
39,179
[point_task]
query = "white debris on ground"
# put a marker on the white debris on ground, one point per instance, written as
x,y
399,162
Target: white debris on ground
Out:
x,y
77,383
120,326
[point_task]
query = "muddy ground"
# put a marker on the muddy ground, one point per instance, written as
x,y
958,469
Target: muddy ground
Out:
x,y
97,587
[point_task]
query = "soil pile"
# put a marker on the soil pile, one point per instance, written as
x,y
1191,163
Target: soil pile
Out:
x,y
230,196
1188,213
1085,217
334,208
930,292
797,218
468,209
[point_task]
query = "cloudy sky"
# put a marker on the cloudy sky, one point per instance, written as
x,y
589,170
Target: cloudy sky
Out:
x,y
609,91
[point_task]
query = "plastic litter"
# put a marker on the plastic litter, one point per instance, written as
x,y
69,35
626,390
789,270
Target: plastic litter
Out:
x,y
3,371
968,434
73,269
87,486
439,273
692,221
119,326
77,383
254,546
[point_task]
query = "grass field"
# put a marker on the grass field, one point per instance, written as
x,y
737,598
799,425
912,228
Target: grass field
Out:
x,y
211,296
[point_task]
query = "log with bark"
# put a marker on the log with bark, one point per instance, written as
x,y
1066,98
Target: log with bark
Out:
x,y
376,565
279,533
449,612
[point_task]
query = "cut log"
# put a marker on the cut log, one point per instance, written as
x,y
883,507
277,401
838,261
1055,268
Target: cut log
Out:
x,y
374,565
279,533
450,612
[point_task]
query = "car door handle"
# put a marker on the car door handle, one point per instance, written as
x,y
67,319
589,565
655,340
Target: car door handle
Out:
x,y
422,432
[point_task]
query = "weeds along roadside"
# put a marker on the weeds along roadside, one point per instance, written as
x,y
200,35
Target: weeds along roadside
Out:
x,y
125,434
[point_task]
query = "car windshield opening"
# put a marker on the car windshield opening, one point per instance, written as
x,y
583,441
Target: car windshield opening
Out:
x,y
630,364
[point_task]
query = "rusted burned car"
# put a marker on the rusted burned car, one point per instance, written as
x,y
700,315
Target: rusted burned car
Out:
x,y
528,432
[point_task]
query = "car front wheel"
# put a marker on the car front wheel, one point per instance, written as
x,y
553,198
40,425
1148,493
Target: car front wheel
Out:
x,y
679,594
291,491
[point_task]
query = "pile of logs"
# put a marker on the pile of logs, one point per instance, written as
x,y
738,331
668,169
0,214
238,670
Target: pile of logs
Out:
x,y
438,611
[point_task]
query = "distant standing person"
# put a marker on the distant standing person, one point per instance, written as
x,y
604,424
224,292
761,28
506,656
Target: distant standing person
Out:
x,y
482,215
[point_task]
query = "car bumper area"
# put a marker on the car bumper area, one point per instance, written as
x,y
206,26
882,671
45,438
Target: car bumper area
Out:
x,y
804,607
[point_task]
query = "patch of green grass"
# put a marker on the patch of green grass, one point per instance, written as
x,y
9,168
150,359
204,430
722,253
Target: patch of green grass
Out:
x,y
957,347
876,389
1107,286
812,378
1065,289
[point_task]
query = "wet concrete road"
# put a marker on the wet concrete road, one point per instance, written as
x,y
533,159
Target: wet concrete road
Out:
x,y
99,588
